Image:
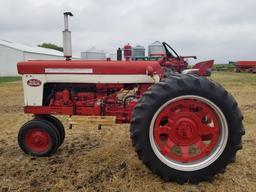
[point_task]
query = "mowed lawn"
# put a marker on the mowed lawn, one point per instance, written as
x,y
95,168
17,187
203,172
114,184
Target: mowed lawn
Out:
x,y
104,160
9,79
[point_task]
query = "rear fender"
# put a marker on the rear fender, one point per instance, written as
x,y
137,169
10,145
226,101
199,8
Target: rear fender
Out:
x,y
204,68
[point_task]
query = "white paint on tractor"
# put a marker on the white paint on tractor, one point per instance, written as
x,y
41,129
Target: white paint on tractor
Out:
x,y
33,96
69,70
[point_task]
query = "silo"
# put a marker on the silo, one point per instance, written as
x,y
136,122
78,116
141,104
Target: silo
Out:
x,y
112,56
138,51
93,54
156,49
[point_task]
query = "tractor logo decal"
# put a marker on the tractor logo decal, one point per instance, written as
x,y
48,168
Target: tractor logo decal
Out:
x,y
34,82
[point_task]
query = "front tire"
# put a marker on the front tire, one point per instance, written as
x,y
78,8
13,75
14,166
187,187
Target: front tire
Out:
x,y
38,138
57,123
187,129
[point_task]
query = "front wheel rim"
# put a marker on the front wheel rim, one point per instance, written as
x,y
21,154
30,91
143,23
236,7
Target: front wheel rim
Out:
x,y
188,133
37,140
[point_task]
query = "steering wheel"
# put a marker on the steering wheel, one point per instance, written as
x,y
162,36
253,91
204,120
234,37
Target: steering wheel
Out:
x,y
168,52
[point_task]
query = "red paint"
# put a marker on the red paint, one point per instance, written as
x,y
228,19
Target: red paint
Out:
x,y
99,67
246,63
247,66
178,64
150,71
34,82
85,99
127,51
100,103
94,110
184,124
61,98
99,99
66,97
37,140
38,110
203,67
90,111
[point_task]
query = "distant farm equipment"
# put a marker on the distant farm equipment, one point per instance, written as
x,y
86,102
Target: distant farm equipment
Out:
x,y
246,66
237,66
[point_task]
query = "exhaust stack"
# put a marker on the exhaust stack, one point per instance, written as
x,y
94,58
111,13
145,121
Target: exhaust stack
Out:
x,y
67,45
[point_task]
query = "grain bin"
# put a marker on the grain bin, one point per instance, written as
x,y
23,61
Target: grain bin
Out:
x,y
156,49
93,54
112,56
138,51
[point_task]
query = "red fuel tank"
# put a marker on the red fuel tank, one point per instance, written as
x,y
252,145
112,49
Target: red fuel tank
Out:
x,y
127,51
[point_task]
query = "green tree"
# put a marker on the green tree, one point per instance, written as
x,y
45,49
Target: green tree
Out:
x,y
51,46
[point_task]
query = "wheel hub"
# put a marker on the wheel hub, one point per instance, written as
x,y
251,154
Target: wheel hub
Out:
x,y
186,130
37,140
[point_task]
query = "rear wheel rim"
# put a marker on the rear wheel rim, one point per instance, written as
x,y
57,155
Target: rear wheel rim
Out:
x,y
37,141
188,133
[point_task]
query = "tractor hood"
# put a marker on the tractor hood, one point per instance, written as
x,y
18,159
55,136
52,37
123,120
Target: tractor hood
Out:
x,y
89,67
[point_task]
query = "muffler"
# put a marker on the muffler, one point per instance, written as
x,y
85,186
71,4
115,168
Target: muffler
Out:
x,y
67,44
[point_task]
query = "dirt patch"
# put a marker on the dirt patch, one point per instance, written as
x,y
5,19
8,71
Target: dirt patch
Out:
x,y
249,107
11,109
104,160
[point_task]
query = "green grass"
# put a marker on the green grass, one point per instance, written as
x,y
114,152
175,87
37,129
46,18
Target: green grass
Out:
x,y
224,77
224,67
9,79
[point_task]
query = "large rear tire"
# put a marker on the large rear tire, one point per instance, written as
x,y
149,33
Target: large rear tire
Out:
x,y
187,129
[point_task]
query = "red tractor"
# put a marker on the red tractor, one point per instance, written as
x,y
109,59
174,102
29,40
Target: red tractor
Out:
x,y
184,127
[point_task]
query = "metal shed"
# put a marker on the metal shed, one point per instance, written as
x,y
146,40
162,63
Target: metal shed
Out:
x,y
11,53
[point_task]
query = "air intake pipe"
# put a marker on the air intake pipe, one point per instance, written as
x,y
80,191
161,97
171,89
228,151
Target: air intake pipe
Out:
x,y
67,45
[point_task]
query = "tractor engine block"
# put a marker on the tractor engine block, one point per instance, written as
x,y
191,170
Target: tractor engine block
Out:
x,y
95,99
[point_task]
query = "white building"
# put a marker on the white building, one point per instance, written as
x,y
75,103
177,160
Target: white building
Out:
x,y
11,53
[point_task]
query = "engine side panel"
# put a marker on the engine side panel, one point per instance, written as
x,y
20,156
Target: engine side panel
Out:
x,y
33,95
